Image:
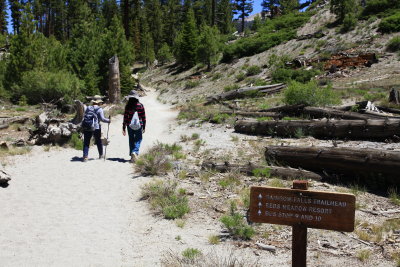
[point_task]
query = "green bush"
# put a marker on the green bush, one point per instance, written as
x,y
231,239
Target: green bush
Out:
x,y
156,161
164,197
240,77
309,94
390,24
394,44
263,172
40,86
272,33
376,7
285,75
253,70
192,84
236,224
76,142
191,253
231,87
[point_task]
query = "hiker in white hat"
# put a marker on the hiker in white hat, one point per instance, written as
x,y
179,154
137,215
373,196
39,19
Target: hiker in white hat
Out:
x,y
135,122
91,126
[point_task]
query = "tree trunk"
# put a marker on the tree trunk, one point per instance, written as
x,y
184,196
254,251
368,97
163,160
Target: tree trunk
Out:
x,y
315,112
341,160
246,92
331,129
253,114
287,173
394,96
5,122
114,88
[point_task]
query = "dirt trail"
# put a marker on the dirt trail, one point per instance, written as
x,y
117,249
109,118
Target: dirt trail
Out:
x,y
59,211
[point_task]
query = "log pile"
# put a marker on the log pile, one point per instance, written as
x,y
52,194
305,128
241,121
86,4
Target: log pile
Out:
x,y
52,130
348,161
371,129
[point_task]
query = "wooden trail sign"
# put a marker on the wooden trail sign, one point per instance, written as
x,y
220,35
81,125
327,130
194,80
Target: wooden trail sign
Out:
x,y
301,208
315,209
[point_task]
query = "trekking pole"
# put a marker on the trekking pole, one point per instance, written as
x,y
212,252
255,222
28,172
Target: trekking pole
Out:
x,y
108,129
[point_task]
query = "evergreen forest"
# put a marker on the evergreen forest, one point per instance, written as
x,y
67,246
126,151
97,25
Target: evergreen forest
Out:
x,y
61,48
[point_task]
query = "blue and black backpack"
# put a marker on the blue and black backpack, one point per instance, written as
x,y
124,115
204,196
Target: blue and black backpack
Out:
x,y
89,119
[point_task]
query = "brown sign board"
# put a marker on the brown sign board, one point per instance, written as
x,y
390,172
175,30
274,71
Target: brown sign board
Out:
x,y
314,209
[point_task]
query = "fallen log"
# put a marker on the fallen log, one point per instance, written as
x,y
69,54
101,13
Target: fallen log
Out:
x,y
341,160
245,92
6,122
253,114
283,172
317,112
331,129
289,109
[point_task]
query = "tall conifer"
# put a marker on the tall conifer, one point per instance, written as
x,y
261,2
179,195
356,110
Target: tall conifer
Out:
x,y
187,42
289,6
224,16
3,17
243,8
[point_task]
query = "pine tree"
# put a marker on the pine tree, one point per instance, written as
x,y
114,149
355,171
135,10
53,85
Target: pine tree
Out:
x,y
172,21
154,22
187,42
341,8
224,17
147,45
164,54
16,8
269,7
289,6
208,45
125,8
109,10
117,44
243,8
3,17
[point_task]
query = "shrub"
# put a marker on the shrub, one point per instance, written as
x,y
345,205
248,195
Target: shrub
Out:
x,y
309,94
390,24
240,77
236,224
155,161
265,172
231,87
191,253
39,86
163,196
272,33
192,84
394,44
76,142
253,70
282,74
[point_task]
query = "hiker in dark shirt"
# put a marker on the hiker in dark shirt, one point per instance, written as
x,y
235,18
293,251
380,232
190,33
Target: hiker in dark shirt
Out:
x,y
87,134
135,136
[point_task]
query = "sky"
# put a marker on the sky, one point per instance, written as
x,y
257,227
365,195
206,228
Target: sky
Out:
x,y
256,9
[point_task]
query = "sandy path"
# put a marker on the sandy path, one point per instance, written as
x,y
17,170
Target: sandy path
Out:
x,y
59,211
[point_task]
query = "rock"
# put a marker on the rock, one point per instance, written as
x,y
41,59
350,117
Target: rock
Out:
x,y
4,145
4,177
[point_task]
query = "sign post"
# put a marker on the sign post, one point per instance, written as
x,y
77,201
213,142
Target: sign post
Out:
x,y
301,208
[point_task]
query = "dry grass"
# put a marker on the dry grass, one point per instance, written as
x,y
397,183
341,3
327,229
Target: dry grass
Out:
x,y
216,259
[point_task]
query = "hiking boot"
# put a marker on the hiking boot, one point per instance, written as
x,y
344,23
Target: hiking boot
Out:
x,y
134,157
85,159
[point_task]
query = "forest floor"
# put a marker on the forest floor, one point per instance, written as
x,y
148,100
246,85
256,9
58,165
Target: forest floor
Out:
x,y
59,211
